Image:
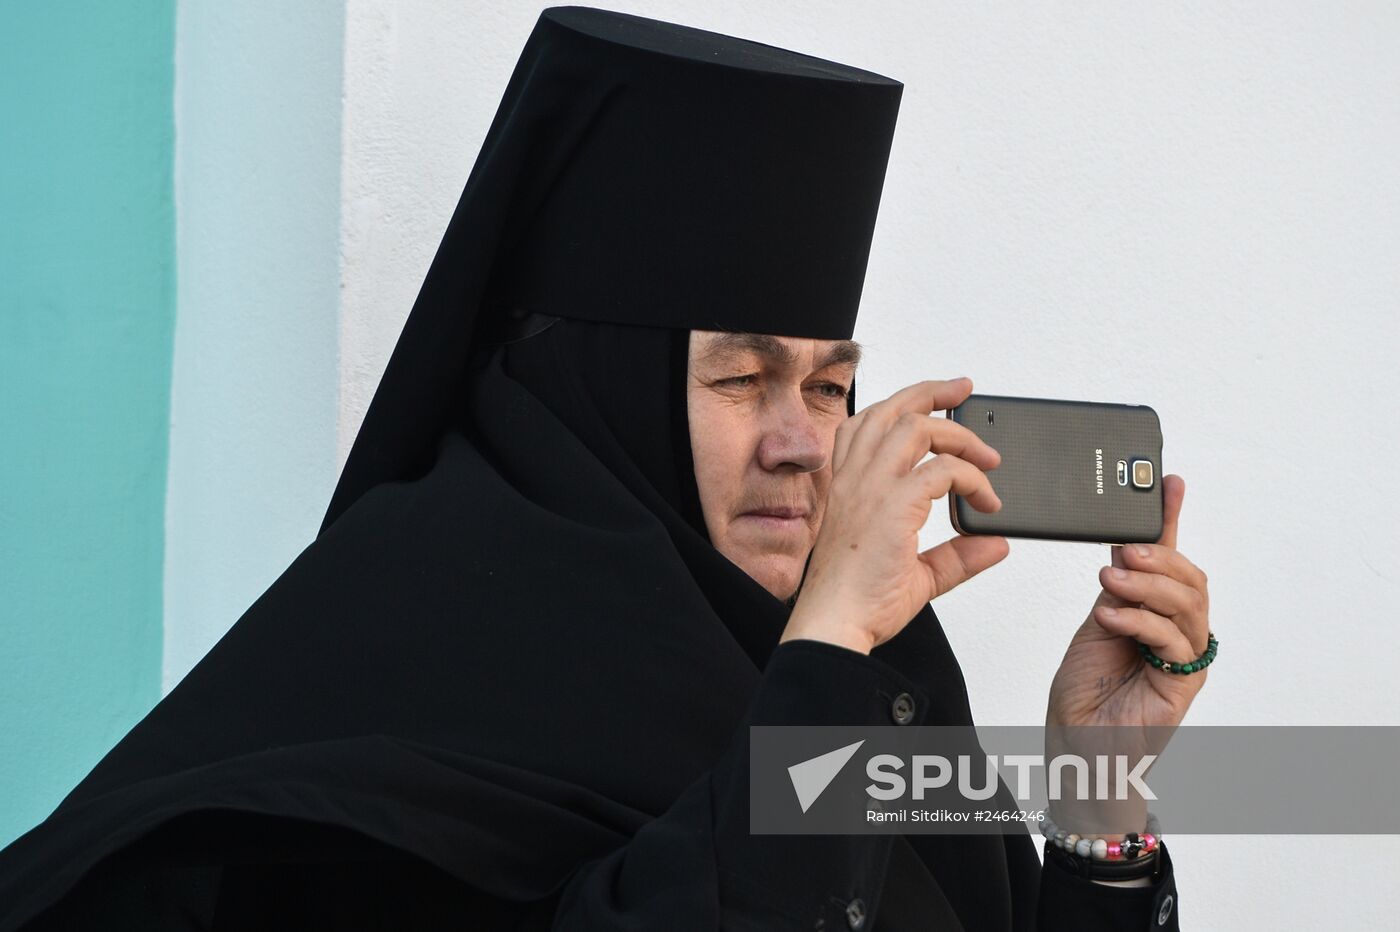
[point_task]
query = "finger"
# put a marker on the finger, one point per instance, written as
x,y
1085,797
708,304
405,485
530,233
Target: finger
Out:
x,y
1161,594
844,433
1160,635
955,561
1155,558
919,398
1173,492
915,435
946,472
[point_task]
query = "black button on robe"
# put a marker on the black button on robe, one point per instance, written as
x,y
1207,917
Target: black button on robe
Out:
x,y
509,684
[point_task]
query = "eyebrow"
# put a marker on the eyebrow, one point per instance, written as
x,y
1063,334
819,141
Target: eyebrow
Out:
x,y
842,352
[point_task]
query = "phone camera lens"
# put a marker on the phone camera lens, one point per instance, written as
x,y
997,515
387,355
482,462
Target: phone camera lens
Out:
x,y
1142,474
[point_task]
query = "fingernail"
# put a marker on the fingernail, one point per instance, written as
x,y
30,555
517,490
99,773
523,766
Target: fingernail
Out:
x,y
1142,552
1116,573
1109,612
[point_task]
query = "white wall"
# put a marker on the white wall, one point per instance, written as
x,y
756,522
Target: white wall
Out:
x,y
1193,206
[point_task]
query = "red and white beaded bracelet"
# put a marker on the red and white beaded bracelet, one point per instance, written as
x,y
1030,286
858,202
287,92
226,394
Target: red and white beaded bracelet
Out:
x,y
1132,855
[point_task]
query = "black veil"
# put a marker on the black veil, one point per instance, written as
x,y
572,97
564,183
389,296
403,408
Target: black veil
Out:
x,y
641,172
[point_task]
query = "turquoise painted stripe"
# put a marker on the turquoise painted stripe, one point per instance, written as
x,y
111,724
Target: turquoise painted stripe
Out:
x,y
87,307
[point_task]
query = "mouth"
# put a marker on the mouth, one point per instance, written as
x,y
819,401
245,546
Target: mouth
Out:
x,y
777,519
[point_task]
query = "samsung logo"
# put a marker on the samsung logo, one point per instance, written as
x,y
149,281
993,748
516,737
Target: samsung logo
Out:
x,y
1098,471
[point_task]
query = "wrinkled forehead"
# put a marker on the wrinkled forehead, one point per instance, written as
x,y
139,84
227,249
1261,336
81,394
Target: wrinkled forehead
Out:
x,y
717,346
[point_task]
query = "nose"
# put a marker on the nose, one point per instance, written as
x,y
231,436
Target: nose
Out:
x,y
790,437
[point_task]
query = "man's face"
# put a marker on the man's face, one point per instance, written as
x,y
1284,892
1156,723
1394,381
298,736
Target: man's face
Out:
x,y
763,417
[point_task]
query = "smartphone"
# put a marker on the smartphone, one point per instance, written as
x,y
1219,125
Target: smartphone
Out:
x,y
1070,470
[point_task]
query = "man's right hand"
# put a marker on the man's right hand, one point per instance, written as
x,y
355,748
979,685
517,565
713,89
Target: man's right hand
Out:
x,y
867,578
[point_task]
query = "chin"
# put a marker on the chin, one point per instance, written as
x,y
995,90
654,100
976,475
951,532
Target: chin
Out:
x,y
780,575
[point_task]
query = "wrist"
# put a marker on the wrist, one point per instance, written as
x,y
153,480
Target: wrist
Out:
x,y
823,627
1130,882
1108,819
1109,836
1134,856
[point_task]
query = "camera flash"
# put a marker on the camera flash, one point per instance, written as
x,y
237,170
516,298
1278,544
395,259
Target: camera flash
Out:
x,y
1142,474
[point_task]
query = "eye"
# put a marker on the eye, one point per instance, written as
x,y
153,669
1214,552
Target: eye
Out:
x,y
832,389
738,381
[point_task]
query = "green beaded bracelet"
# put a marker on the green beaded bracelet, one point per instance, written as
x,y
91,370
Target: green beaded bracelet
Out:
x,y
1166,666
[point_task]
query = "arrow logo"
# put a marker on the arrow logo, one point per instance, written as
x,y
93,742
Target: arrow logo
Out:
x,y
811,777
